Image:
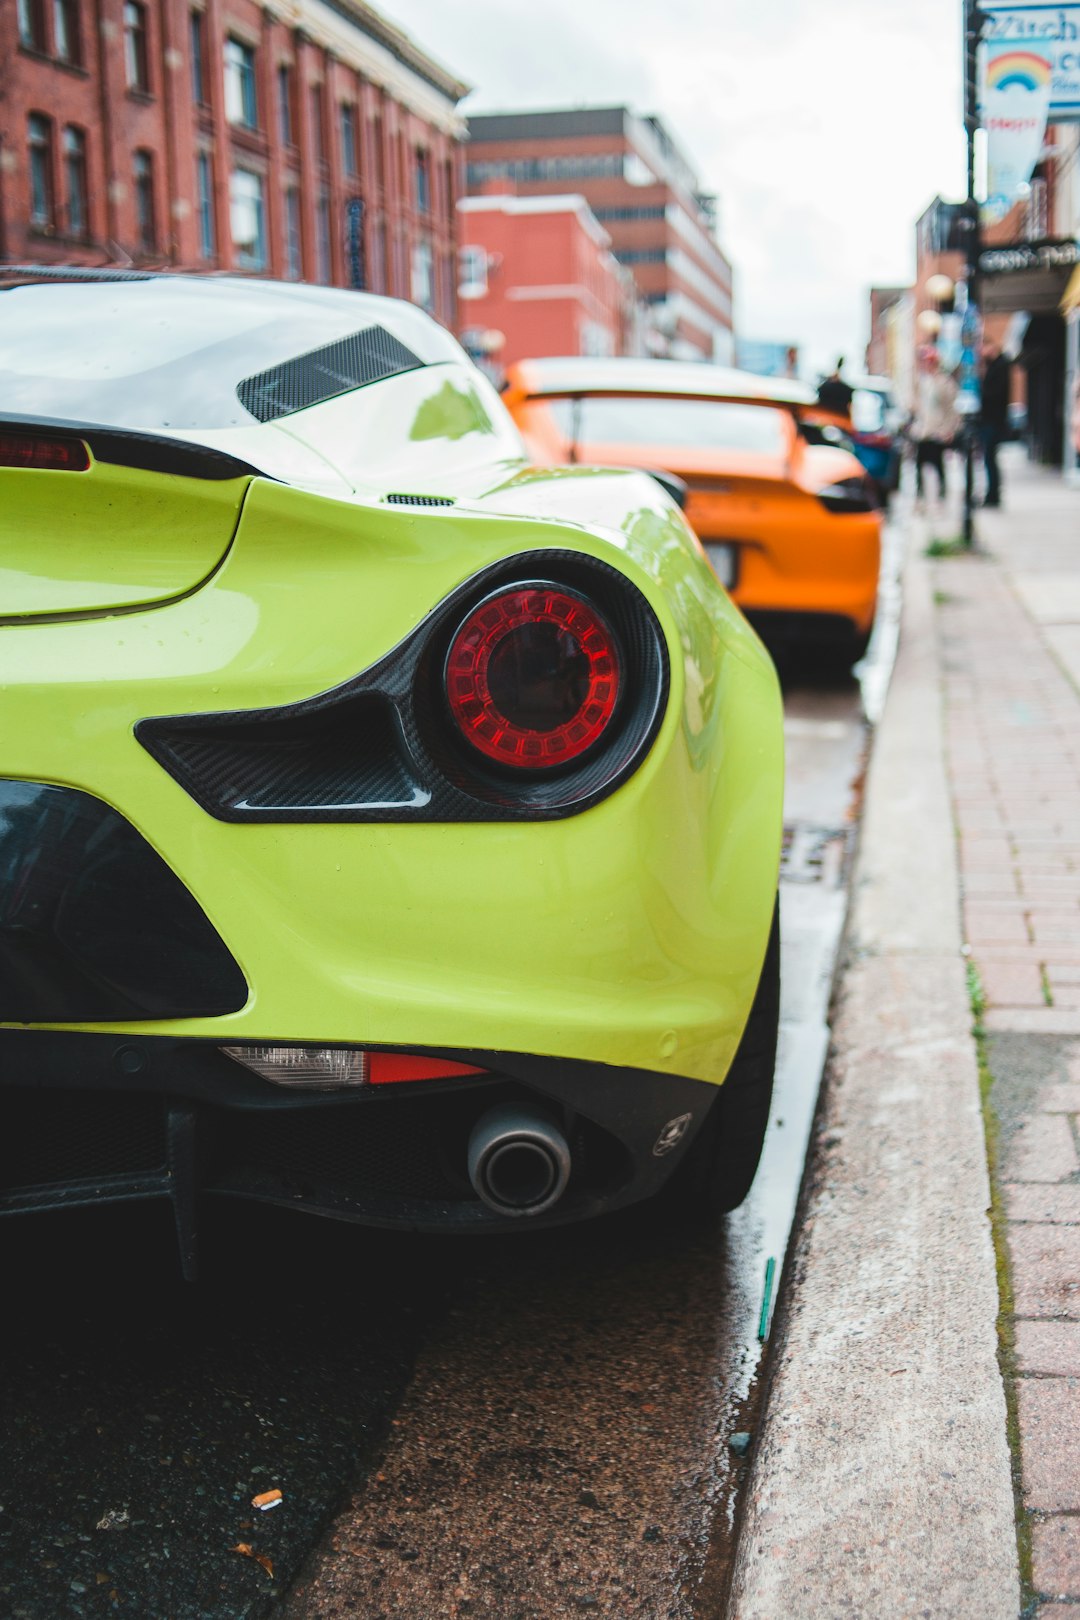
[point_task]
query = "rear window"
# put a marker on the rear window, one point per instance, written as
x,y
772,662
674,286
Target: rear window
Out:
x,y
651,419
172,353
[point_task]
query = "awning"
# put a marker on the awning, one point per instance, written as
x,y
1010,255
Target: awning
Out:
x,y
1040,292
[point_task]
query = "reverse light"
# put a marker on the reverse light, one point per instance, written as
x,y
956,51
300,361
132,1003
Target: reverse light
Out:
x,y
43,454
532,677
334,1068
316,1068
849,495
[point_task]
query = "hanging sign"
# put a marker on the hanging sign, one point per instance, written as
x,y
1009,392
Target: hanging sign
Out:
x,y
1050,31
1014,99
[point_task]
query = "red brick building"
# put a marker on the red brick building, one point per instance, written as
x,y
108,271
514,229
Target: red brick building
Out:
x,y
310,142
538,273
645,194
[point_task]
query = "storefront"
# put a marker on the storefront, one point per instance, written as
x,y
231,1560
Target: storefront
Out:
x,y
1070,309
1032,280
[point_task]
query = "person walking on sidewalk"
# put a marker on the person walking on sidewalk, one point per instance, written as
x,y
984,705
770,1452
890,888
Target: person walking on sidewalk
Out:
x,y
994,416
936,421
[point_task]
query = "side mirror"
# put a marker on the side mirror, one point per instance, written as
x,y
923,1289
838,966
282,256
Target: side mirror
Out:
x,y
673,484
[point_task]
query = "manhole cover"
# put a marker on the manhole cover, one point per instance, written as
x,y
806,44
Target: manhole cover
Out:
x,y
813,854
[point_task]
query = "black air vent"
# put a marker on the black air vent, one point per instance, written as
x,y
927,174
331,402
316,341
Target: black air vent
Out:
x,y
420,500
365,357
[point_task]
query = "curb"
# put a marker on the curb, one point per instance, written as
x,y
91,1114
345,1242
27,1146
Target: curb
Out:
x,y
882,1479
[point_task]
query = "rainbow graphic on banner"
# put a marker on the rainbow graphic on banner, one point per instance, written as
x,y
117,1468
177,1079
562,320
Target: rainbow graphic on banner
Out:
x,y
1021,70
1017,83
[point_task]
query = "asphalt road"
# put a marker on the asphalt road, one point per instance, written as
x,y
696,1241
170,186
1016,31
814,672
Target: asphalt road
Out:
x,y
508,1430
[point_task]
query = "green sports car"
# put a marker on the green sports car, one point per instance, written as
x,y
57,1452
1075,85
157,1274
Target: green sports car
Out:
x,y
388,828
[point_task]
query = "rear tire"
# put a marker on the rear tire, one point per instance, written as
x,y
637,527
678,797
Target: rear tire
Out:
x,y
722,1162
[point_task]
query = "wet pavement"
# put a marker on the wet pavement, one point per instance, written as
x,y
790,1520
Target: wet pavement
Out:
x,y
508,1429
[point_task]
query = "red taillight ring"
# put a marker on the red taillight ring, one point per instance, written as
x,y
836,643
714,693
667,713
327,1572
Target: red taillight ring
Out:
x,y
533,676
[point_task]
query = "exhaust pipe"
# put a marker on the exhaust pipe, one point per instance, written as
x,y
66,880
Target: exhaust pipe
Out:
x,y
519,1162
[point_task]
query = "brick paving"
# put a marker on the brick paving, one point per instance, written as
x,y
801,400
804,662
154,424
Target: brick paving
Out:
x,y
1009,645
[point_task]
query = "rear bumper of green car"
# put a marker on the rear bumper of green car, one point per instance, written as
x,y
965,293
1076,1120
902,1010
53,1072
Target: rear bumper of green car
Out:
x,y
602,962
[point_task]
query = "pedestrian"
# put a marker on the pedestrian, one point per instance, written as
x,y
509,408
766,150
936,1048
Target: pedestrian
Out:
x,y
834,394
936,421
994,416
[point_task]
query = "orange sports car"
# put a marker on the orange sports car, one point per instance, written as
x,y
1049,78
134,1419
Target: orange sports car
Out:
x,y
790,521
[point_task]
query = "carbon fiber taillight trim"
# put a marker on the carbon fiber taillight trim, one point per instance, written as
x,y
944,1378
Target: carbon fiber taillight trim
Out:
x,y
383,747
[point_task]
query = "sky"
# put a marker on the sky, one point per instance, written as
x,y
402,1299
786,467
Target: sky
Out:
x,y
824,126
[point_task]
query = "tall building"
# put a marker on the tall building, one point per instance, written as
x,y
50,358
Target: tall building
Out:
x,y
645,194
303,140
537,277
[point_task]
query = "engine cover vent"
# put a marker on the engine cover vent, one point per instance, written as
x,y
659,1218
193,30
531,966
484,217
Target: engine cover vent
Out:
x,y
337,368
419,500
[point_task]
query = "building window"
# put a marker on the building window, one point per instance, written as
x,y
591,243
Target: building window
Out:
x,y
32,24
377,149
378,257
241,102
75,180
39,139
446,287
198,58
322,239
204,187
143,168
136,52
587,166
285,104
248,219
472,272
348,139
423,280
294,236
318,134
1038,214
66,41
422,182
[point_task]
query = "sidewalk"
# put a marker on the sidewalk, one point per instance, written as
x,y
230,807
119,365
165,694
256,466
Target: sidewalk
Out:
x,y
882,1482
1009,629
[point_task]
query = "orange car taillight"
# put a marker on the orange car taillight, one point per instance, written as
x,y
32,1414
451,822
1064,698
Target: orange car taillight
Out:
x,y
533,676
849,495
43,453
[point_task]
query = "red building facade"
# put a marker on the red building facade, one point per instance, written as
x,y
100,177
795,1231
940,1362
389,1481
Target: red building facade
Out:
x,y
321,146
538,277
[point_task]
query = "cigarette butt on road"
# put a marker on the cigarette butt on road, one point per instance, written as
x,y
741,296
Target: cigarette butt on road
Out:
x,y
267,1499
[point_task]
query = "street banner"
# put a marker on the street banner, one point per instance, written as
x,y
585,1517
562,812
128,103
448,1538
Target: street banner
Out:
x,y
1014,100
1051,31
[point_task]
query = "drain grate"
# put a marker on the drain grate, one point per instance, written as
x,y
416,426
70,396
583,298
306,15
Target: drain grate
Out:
x,y
812,854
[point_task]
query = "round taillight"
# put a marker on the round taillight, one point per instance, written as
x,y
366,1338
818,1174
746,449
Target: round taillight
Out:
x,y
532,677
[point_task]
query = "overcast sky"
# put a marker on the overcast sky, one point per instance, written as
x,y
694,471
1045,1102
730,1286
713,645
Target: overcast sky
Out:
x,y
825,126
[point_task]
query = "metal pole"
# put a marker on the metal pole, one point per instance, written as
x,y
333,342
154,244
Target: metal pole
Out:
x,y
973,22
